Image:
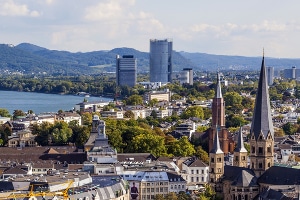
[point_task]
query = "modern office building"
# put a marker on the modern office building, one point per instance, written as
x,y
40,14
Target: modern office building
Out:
x,y
126,70
161,60
291,73
270,75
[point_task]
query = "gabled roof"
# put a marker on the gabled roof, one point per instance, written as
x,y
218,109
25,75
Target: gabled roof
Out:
x,y
262,121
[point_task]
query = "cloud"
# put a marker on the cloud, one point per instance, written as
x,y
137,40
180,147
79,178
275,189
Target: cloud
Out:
x,y
10,8
108,10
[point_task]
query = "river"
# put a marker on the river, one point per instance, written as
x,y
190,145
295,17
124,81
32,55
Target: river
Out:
x,y
40,103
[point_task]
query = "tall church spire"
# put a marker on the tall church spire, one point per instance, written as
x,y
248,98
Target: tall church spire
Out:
x,y
240,143
262,121
262,131
216,149
218,88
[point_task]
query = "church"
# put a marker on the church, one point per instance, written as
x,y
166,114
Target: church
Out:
x,y
260,179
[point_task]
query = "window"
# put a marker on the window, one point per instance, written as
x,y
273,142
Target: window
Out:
x,y
202,179
212,160
236,158
260,150
219,159
219,169
243,157
269,149
253,149
202,171
197,171
260,165
192,179
192,171
269,164
197,179
212,170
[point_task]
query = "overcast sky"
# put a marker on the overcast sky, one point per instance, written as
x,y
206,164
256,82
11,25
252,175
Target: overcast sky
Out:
x,y
231,27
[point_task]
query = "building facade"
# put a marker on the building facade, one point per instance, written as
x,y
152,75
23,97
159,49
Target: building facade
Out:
x,y
126,70
161,60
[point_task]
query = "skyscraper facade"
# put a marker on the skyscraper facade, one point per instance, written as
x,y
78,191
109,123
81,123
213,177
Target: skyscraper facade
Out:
x,y
126,70
270,75
161,60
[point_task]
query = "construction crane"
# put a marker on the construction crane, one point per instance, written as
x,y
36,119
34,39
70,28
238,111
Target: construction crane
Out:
x,y
31,195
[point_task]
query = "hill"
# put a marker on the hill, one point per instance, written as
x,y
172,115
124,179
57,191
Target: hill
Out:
x,y
31,59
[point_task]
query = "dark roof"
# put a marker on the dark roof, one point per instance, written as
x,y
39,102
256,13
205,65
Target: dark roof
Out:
x,y
271,194
262,121
276,175
194,162
173,177
239,176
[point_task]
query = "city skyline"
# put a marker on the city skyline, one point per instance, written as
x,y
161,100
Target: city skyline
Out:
x,y
222,28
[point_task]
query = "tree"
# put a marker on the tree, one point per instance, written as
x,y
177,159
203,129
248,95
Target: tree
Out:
x,y
61,133
193,111
129,114
5,131
134,100
181,147
289,128
233,120
42,133
202,155
4,112
145,143
159,197
18,113
80,133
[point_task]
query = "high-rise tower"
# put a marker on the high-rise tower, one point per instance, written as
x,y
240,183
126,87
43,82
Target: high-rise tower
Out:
x,y
218,121
161,60
262,131
126,70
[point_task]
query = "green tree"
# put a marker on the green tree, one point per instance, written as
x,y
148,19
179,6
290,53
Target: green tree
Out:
x,y
80,133
61,133
5,131
4,112
233,120
289,128
42,133
181,147
145,143
202,155
159,197
134,100
193,111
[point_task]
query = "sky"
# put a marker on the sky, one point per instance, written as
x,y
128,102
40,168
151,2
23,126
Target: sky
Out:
x,y
231,27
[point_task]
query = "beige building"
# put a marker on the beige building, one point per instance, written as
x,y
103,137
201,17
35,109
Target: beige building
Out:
x,y
22,139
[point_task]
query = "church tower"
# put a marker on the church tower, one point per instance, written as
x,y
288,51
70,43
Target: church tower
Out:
x,y
240,153
262,131
216,163
218,120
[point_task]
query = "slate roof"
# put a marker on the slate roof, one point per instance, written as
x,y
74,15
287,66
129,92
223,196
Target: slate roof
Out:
x,y
240,176
271,194
262,120
276,175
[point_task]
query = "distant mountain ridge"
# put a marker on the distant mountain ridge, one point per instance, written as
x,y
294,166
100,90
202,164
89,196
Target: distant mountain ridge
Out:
x,y
29,58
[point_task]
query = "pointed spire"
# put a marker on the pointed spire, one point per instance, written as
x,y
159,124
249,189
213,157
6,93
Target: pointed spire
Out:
x,y
240,143
218,89
262,121
216,148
